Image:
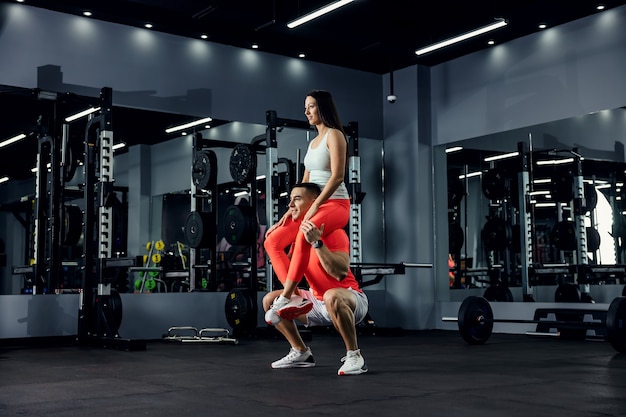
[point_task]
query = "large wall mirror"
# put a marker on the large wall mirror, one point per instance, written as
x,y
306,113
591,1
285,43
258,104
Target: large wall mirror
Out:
x,y
538,208
45,129
229,251
151,198
243,207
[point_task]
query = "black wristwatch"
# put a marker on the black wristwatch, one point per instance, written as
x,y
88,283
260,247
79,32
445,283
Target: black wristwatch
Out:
x,y
318,244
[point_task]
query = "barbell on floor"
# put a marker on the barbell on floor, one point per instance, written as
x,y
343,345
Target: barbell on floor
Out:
x,y
475,320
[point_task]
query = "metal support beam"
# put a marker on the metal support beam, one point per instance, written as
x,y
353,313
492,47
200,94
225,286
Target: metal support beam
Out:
x,y
525,219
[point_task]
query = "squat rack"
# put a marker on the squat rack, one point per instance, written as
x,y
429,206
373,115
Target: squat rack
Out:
x,y
100,313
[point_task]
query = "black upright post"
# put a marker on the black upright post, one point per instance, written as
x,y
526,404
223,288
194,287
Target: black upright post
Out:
x,y
87,308
41,267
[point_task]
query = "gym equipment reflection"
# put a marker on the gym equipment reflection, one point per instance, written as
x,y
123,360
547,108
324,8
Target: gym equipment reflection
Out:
x,y
475,321
543,217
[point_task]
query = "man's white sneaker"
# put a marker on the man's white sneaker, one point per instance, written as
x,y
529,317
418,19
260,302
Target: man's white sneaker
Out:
x,y
295,359
353,364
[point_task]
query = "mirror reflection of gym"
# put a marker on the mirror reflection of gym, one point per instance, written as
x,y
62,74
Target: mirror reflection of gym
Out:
x,y
573,201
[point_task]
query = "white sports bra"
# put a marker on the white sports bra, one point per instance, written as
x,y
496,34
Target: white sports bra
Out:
x,y
317,162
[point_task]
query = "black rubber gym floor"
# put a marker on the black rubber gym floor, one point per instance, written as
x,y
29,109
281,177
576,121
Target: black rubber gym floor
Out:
x,y
429,373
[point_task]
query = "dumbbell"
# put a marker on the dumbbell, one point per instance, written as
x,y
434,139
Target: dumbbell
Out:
x,y
475,321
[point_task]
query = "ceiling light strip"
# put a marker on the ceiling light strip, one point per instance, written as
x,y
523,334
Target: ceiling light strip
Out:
x,y
12,140
498,24
317,13
470,175
188,125
81,114
556,161
501,156
454,149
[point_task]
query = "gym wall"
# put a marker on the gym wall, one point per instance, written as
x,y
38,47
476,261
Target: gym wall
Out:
x,y
157,71
564,72
472,96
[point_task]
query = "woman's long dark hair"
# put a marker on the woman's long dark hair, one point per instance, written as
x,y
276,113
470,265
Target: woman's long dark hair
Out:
x,y
327,109
330,116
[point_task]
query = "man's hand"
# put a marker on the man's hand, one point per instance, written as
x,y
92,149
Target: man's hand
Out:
x,y
337,263
311,233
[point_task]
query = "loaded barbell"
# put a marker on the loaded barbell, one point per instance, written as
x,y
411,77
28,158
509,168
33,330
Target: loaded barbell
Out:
x,y
475,321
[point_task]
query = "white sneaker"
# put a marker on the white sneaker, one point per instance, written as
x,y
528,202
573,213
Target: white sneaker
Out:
x,y
295,359
296,307
284,308
353,363
271,315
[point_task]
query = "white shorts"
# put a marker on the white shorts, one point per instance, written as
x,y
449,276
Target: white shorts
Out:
x,y
319,316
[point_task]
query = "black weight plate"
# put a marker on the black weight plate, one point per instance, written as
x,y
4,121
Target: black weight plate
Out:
x,y
242,163
115,307
616,324
72,226
475,320
498,293
563,187
240,225
493,184
199,231
564,235
456,190
593,239
73,152
570,293
111,306
496,234
456,237
591,197
567,293
240,309
204,169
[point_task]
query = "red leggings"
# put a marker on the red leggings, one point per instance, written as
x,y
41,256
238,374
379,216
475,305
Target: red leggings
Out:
x,y
333,214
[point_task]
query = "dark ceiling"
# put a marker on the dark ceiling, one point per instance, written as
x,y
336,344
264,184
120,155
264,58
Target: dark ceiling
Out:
x,y
370,35
377,36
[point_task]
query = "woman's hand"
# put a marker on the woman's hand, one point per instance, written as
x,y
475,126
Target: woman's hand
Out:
x,y
278,224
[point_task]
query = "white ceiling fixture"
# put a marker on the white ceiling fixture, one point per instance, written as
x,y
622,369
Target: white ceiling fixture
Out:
x,y
501,156
82,114
317,13
498,24
12,140
188,125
